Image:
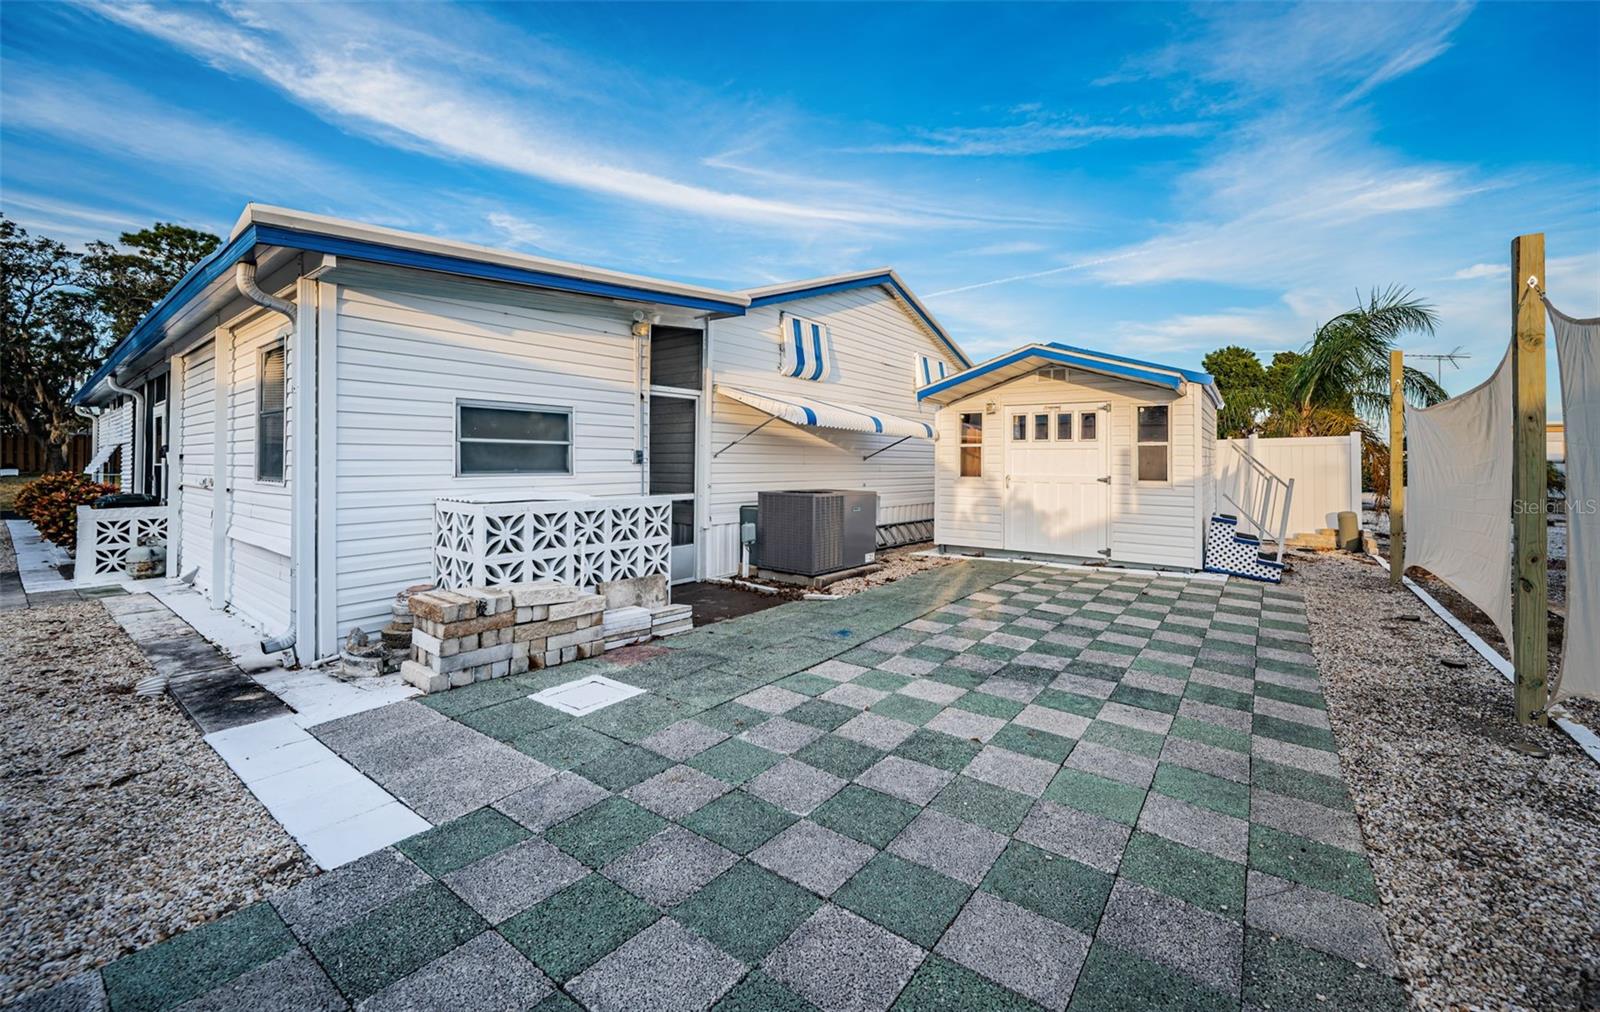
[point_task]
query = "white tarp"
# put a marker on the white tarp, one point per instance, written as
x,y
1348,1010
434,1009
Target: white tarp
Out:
x,y
1578,355
1458,494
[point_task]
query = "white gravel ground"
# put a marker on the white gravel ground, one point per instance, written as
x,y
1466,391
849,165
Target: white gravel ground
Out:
x,y
120,826
1486,858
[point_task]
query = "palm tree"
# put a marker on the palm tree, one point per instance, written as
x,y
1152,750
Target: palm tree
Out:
x,y
1346,368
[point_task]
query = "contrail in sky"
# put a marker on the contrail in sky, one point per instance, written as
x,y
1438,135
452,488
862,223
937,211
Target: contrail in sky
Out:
x,y
1035,274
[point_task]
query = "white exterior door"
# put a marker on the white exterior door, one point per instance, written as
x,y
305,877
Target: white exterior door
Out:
x,y
1058,470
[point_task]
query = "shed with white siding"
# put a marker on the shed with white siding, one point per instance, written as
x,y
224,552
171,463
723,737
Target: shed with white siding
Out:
x,y
322,424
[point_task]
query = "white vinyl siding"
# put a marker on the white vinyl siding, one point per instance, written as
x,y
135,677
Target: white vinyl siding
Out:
x,y
197,417
259,527
1151,524
873,337
409,347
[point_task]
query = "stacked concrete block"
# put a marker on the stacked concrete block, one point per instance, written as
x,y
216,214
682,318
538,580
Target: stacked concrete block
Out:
x,y
671,619
463,636
625,626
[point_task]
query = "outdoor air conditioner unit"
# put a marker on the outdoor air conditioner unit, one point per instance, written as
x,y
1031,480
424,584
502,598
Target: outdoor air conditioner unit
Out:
x,y
815,531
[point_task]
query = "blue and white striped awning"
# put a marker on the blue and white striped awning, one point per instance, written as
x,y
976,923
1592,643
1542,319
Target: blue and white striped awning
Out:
x,y
928,370
810,412
806,348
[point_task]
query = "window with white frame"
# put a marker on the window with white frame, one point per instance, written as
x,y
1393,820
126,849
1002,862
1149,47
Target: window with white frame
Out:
x,y
1019,427
1063,425
269,415
1154,442
1088,426
495,437
972,444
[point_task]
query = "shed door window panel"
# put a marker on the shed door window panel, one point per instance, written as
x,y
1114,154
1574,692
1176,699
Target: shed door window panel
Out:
x,y
1064,425
1154,442
1019,427
269,416
972,444
513,439
1090,423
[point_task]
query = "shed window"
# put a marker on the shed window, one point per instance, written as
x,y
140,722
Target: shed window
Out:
x,y
494,438
1019,426
1154,442
1064,425
971,445
1086,429
1041,427
269,416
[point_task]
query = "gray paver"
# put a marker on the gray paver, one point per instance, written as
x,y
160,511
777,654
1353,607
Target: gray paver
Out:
x,y
1136,717
954,847
1210,713
1201,828
1307,715
851,694
771,699
1043,718
965,724
782,735
509,882
291,983
1011,770
1032,955
1306,818
933,692
1087,839
1083,685
906,780
544,804
838,671
676,792
1312,760
844,963
1010,688
880,732
85,992
331,900
1173,933
484,975
809,855
683,740
1318,920
1113,764
795,787
664,968
1203,758
669,867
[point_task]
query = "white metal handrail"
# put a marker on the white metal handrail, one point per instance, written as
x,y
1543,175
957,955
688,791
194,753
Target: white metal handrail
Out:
x,y
1260,497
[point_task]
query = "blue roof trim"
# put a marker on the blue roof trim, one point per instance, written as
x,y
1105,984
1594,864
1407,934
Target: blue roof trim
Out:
x,y
1051,355
871,281
1188,374
273,235
147,332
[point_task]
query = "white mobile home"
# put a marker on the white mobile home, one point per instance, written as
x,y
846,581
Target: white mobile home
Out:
x,y
1057,452
330,412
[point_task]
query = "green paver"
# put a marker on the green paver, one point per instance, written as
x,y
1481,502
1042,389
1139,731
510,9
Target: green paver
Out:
x,y
557,1001
907,708
923,652
747,911
1203,789
734,761
863,657
1054,887
1210,734
1096,795
760,993
1217,696
866,815
740,822
638,718
368,955
1319,865
1116,980
1279,974
458,843
1298,783
512,720
961,678
821,714
601,834
1031,741
991,651
1127,739
914,902
839,756
984,804
883,681
1292,732
1070,702
705,689
564,746
473,697
1148,699
1284,694
568,932
732,718
988,706
621,768
193,963
942,986
1207,881
806,684
943,751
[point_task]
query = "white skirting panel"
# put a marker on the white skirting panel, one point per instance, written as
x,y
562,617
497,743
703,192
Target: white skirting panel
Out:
x,y
719,543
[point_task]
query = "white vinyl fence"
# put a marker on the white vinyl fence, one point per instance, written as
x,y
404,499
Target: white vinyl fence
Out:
x,y
1326,471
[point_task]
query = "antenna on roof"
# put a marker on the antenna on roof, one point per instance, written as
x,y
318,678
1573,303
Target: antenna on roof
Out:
x,y
1453,357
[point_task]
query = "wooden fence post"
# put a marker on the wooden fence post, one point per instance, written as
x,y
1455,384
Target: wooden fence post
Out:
x,y
1529,618
1397,467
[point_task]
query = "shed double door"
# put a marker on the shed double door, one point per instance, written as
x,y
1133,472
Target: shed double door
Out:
x,y
1058,479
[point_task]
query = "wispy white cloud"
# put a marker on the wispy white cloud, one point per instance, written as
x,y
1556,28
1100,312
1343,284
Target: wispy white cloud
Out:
x,y
1477,271
1035,275
1037,135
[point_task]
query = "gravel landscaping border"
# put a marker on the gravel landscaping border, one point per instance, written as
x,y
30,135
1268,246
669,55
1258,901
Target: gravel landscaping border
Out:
x,y
1484,856
122,827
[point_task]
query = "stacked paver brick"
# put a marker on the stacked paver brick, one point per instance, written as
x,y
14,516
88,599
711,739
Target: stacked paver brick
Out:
x,y
477,633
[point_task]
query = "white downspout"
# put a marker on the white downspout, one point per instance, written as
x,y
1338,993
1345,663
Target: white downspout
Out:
x,y
244,277
137,429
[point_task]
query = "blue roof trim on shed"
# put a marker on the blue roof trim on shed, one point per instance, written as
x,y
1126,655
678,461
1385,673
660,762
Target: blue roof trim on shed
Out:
x,y
1189,374
870,281
1166,379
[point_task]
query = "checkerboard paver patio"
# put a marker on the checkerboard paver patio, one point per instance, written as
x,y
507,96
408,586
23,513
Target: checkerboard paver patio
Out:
x,y
986,786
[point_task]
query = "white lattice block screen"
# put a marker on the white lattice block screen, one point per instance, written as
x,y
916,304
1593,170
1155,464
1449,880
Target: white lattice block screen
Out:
x,y
581,541
104,537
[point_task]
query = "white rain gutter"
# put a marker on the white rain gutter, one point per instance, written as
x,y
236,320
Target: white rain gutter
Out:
x,y
135,428
244,277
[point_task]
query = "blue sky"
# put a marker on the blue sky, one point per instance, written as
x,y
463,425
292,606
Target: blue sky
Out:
x,y
1156,180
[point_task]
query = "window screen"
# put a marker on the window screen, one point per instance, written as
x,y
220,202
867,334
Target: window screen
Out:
x,y
269,416
512,439
971,445
1154,437
1064,425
